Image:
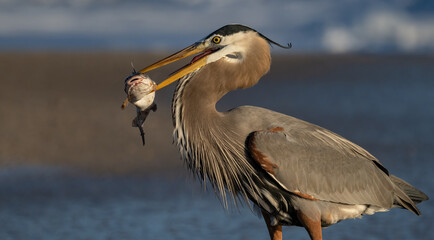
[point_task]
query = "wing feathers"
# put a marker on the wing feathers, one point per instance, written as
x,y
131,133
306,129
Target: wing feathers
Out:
x,y
325,166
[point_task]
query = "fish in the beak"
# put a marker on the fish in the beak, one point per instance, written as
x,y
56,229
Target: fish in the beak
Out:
x,y
140,90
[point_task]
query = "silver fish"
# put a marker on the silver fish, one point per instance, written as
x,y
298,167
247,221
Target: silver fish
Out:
x,y
140,90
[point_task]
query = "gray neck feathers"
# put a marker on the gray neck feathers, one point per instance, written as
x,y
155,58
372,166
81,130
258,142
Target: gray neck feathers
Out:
x,y
209,145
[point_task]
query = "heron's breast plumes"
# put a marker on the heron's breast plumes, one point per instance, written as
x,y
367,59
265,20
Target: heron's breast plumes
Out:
x,y
211,148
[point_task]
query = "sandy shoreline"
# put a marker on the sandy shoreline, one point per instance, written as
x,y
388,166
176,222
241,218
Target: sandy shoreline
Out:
x,y
64,108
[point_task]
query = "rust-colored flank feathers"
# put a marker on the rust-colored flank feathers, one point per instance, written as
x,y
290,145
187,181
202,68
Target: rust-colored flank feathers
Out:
x,y
260,158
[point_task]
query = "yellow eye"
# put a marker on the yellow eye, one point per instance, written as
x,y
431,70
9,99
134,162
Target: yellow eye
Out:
x,y
216,39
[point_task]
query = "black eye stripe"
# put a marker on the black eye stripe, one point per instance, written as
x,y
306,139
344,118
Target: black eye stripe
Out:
x,y
234,55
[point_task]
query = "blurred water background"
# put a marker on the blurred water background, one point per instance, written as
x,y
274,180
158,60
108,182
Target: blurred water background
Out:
x,y
311,25
72,167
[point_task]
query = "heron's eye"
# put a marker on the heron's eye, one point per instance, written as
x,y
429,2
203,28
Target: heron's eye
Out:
x,y
216,39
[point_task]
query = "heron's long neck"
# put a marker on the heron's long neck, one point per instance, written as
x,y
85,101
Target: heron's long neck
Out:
x,y
208,143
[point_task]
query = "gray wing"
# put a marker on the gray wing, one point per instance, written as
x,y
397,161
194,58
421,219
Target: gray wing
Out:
x,y
312,161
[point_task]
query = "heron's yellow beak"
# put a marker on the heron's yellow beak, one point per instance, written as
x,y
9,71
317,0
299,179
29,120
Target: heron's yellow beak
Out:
x,y
196,63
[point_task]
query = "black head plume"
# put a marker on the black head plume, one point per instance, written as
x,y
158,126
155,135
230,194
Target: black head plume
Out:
x,y
275,43
234,28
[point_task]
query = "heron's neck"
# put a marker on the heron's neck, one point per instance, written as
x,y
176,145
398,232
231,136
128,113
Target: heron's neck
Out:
x,y
194,103
193,112
208,143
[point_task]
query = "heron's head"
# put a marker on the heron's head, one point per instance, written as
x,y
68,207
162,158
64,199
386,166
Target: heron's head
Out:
x,y
231,43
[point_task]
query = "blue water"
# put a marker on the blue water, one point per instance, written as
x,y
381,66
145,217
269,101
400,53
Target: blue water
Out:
x,y
390,113
54,203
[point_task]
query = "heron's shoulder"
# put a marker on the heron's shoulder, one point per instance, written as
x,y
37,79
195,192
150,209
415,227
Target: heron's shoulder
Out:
x,y
261,119
296,130
260,113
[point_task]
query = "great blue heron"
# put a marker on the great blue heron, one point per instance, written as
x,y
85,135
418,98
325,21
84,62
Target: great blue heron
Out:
x,y
296,172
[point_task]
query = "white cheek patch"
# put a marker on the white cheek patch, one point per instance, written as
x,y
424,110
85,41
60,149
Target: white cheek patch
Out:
x,y
234,48
231,54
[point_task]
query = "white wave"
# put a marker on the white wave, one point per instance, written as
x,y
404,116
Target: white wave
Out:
x,y
382,29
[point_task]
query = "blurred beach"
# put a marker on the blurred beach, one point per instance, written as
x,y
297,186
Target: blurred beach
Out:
x,y
72,167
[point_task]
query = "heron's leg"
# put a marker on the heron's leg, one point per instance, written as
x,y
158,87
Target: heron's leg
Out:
x,y
274,231
312,226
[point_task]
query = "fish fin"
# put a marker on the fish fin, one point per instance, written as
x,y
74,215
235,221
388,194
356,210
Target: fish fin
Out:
x,y
125,103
